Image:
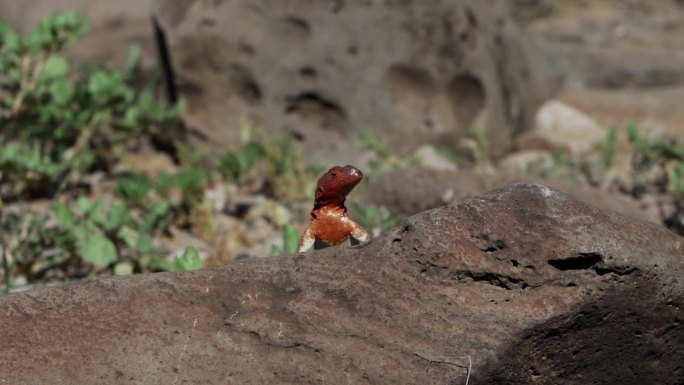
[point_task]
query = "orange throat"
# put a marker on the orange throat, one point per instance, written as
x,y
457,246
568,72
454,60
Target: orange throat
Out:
x,y
331,224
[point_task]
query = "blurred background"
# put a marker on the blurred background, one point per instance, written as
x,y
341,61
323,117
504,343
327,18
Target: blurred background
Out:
x,y
154,135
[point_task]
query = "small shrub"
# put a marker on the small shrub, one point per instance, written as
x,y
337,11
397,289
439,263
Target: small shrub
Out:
x,y
58,123
377,220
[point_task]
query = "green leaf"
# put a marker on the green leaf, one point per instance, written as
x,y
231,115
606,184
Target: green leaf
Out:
x,y
635,137
61,91
118,216
675,176
290,239
132,118
83,204
134,187
374,217
147,102
56,31
129,236
99,83
276,251
608,149
157,217
144,243
229,166
63,214
9,40
190,181
123,268
55,67
179,108
190,260
97,212
250,154
164,183
98,250
108,87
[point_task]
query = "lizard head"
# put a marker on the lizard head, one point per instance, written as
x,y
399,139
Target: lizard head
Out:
x,y
336,183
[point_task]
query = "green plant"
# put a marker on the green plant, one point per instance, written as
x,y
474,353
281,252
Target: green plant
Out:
x,y
450,155
237,165
6,269
187,187
650,151
29,248
651,154
608,149
57,123
104,233
377,220
675,176
290,241
86,236
384,158
189,260
478,146
289,175
274,159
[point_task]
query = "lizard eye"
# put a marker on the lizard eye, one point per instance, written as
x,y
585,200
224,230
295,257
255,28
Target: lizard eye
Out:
x,y
333,174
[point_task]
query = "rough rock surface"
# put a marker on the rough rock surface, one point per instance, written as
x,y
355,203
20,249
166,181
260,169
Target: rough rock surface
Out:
x,y
618,61
560,127
412,71
116,26
531,285
615,44
404,191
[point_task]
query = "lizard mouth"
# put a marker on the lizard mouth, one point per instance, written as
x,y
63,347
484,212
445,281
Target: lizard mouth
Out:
x,y
353,171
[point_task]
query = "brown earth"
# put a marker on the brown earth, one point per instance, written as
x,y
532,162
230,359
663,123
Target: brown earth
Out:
x,y
524,282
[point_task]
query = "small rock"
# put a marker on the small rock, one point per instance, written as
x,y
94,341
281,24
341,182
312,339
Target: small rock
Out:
x,y
430,158
181,240
149,163
526,162
561,127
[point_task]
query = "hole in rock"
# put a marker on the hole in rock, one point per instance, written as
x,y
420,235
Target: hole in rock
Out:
x,y
467,96
582,261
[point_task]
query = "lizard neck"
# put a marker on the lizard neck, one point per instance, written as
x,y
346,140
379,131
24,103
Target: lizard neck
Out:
x,y
329,209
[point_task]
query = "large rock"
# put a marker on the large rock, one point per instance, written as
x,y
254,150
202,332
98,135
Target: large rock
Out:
x,y
411,71
527,284
406,191
617,45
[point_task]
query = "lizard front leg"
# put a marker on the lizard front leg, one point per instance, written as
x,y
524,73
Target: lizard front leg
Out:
x,y
307,241
359,233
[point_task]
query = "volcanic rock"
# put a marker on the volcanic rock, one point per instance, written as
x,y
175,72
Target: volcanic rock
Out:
x,y
412,71
519,285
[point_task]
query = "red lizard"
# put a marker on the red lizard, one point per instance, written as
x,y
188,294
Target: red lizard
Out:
x,y
330,223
